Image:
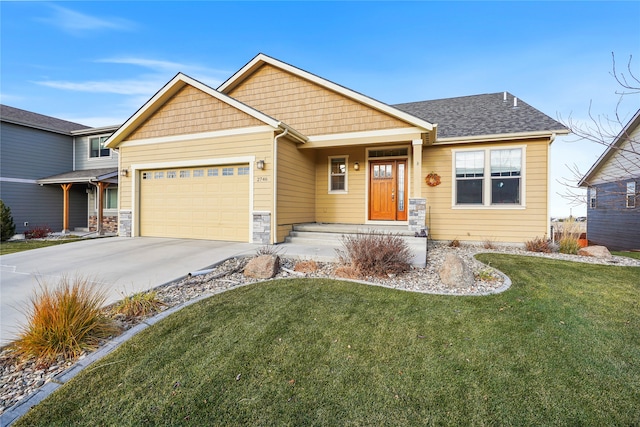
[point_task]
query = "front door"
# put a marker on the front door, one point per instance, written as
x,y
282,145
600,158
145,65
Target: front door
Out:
x,y
388,190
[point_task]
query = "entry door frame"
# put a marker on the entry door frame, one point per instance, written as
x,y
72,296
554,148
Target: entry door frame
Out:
x,y
397,214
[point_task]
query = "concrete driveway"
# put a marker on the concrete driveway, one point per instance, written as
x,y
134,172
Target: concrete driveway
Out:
x,y
124,265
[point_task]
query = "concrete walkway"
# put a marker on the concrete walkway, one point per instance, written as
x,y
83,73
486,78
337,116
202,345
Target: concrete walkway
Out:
x,y
123,265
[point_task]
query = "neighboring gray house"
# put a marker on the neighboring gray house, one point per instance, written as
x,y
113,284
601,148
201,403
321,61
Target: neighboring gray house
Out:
x,y
613,182
43,159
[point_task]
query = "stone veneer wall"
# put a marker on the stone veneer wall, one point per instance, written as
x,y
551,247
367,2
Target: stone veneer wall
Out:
x,y
417,214
261,227
124,230
109,223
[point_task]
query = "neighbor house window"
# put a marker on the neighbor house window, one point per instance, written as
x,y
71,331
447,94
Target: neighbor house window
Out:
x,y
97,148
592,197
631,194
109,198
338,174
490,177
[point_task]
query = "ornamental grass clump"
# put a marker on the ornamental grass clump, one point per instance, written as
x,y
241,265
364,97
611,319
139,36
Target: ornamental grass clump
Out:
x,y
64,321
375,254
568,242
139,305
538,244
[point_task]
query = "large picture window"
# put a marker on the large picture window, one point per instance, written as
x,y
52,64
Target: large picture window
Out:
x,y
337,174
491,177
97,148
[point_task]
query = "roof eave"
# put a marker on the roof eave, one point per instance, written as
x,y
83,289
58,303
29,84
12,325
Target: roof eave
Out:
x,y
501,137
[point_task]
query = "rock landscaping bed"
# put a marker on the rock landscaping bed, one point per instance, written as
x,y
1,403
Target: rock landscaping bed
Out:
x,y
21,379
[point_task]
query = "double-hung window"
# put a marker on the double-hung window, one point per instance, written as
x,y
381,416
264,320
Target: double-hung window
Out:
x,y
97,147
489,177
631,194
592,197
337,174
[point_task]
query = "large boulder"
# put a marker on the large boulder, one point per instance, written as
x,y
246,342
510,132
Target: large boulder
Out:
x,y
262,267
455,273
596,252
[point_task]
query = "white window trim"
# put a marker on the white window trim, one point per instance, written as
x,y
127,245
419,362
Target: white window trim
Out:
x,y
89,148
631,194
486,184
346,175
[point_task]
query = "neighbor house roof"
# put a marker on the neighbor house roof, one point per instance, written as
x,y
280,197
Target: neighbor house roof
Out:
x,y
261,59
615,145
38,121
88,175
171,88
482,115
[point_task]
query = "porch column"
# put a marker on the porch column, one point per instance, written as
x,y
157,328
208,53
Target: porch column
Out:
x,y
101,187
65,207
417,168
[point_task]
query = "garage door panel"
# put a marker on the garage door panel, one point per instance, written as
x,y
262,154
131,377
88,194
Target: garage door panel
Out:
x,y
196,204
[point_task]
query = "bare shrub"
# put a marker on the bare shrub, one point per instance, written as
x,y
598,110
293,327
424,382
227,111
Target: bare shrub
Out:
x,y
306,266
375,254
489,244
455,243
538,244
347,272
268,250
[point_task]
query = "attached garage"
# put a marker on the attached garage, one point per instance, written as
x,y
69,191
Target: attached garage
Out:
x,y
209,202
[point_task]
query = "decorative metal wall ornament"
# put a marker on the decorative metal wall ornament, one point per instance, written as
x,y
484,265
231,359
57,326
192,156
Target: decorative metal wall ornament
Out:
x,y
433,179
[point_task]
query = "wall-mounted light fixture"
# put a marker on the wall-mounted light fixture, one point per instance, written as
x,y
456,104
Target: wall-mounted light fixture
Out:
x,y
260,164
356,166
124,172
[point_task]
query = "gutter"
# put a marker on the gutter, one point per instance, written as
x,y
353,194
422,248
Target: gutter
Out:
x,y
275,182
500,137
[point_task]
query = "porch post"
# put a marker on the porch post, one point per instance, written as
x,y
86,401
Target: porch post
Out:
x,y
417,168
65,206
99,217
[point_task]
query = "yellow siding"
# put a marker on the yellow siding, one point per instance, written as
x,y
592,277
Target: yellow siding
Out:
x,y
306,106
349,208
296,187
192,111
500,225
259,145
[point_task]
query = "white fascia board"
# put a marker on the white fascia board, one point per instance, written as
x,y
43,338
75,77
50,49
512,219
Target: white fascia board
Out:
x,y
197,136
95,131
366,134
380,106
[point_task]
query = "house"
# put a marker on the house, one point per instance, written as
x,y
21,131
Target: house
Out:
x,y
613,205
51,172
275,146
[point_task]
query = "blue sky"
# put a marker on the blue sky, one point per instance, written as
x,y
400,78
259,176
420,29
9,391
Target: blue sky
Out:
x,y
96,63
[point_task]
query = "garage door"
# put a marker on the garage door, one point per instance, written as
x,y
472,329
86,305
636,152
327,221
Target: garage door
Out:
x,y
196,203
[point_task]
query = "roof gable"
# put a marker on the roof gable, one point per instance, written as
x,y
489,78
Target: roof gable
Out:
x,y
292,82
205,108
621,159
38,121
486,114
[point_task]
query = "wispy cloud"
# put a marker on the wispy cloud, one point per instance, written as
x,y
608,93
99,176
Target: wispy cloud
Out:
x,y
121,87
196,71
74,22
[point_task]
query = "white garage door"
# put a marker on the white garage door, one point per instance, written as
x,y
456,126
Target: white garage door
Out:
x,y
196,203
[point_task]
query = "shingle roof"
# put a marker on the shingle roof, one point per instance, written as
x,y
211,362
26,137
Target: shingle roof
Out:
x,y
477,115
39,121
80,176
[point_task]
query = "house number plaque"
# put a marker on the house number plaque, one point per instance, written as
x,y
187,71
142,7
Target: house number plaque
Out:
x,y
262,179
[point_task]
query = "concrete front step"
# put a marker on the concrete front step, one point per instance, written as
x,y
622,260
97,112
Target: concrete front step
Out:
x,y
353,228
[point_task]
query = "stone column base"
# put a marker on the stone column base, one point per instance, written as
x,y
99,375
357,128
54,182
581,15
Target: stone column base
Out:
x,y
417,214
261,227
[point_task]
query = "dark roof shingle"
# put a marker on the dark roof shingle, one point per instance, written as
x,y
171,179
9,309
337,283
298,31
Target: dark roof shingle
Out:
x,y
39,121
477,115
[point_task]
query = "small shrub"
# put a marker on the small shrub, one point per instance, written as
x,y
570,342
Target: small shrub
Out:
x,y
347,272
306,266
487,275
268,250
38,232
568,245
140,304
64,321
7,226
538,245
489,244
455,243
375,254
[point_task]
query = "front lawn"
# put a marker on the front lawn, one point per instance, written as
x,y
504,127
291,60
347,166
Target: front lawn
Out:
x,y
14,246
562,346
635,255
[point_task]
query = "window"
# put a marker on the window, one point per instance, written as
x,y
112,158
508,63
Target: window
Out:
x,y
147,175
185,174
243,171
171,174
488,177
212,172
198,173
469,177
337,174
97,148
110,198
592,197
227,171
158,175
631,194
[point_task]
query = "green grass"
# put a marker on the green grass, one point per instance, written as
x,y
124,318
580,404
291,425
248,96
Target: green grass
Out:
x,y
26,245
561,347
635,255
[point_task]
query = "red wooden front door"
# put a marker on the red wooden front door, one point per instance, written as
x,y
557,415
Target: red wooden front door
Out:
x,y
388,190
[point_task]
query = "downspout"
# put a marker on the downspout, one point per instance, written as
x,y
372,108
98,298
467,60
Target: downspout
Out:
x,y
275,184
551,232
